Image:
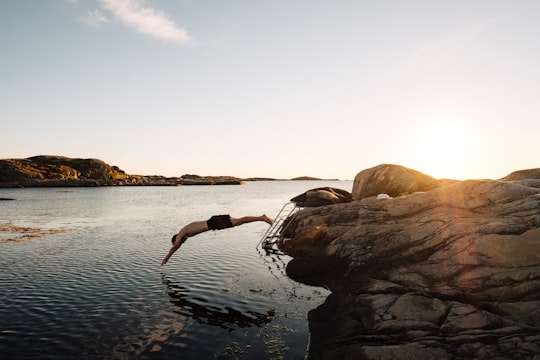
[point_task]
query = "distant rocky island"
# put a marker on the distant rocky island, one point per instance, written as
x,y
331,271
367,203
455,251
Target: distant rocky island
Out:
x,y
61,171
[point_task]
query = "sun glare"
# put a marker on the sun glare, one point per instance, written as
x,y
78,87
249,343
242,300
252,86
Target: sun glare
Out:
x,y
443,150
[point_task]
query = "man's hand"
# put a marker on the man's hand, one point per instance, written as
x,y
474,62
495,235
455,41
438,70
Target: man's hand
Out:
x,y
164,262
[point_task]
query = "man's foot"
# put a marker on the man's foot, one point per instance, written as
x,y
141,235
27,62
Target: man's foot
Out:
x,y
267,219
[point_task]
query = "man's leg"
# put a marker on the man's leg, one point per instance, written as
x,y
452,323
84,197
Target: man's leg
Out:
x,y
248,219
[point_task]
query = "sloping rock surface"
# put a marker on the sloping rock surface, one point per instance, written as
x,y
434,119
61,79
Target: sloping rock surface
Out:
x,y
322,196
523,175
450,273
394,180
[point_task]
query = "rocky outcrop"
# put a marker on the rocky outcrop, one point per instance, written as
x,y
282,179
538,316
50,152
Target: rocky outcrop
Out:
x,y
189,179
527,174
61,171
447,273
394,180
322,196
59,168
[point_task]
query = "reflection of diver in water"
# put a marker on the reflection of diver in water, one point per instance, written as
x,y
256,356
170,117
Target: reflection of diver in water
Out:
x,y
225,317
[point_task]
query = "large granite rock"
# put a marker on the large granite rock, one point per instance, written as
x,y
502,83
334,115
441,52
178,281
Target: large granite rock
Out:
x,y
450,273
394,180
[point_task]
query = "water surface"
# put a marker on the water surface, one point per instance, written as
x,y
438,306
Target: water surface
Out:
x,y
89,283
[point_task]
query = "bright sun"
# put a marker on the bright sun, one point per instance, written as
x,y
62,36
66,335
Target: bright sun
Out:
x,y
442,151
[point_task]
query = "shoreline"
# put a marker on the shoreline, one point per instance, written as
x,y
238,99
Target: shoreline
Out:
x,y
61,171
141,181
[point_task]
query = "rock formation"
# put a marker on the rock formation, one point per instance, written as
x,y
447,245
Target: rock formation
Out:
x,y
209,180
322,196
394,180
60,171
451,272
53,171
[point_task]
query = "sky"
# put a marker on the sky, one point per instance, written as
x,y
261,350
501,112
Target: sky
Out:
x,y
279,89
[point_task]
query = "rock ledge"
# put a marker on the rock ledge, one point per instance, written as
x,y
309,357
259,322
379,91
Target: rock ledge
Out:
x,y
451,272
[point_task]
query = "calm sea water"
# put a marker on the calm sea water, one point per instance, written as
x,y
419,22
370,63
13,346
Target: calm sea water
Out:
x,y
90,285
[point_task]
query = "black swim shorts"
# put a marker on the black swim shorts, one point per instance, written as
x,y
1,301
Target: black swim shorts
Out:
x,y
218,222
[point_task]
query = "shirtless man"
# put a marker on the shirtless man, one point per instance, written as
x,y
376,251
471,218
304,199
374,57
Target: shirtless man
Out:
x,y
216,222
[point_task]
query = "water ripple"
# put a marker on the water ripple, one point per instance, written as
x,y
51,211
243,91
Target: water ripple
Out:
x,y
98,291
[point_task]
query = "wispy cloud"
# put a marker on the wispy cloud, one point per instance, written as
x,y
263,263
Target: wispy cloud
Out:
x,y
146,20
95,18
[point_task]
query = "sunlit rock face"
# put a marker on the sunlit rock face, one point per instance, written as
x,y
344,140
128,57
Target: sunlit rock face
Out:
x,y
59,171
449,273
394,180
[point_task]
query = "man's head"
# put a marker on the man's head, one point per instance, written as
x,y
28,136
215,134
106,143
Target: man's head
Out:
x,y
183,240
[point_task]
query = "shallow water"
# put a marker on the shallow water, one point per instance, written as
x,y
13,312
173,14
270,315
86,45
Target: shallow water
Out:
x,y
90,285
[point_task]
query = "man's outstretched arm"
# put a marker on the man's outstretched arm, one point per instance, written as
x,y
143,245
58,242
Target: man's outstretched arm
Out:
x,y
189,230
178,242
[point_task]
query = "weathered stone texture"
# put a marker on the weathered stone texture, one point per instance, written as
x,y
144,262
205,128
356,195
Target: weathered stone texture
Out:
x,y
394,180
447,273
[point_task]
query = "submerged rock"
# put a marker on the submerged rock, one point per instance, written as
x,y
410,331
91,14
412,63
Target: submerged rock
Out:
x,y
448,273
